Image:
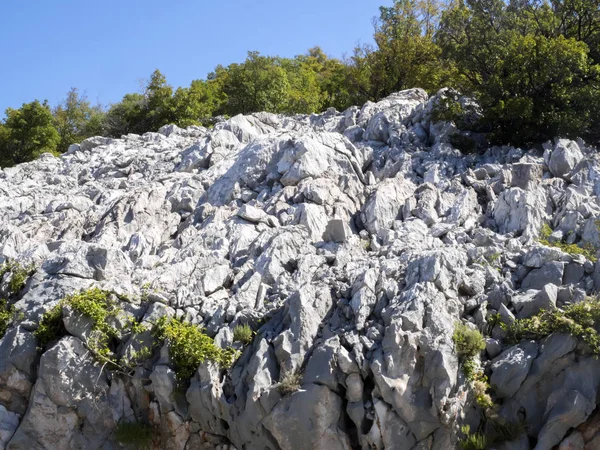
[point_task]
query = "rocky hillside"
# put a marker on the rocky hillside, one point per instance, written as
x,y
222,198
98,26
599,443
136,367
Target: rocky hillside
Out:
x,y
343,267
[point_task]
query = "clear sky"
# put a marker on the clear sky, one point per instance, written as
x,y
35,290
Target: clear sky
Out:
x,y
107,47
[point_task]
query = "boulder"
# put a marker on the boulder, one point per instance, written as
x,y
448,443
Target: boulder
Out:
x,y
564,157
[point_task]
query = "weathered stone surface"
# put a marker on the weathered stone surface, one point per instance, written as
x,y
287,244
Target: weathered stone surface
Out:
x,y
564,157
511,367
351,243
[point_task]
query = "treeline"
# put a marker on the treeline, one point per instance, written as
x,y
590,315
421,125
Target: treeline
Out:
x,y
532,65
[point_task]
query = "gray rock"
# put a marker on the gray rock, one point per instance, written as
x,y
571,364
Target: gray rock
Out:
x,y
510,369
532,302
526,175
564,157
565,410
549,273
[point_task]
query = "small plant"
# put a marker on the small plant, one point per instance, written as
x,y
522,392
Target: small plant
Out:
x,y
136,358
189,347
243,334
580,320
586,250
51,326
136,327
469,368
135,435
18,274
475,441
507,431
7,316
481,388
469,343
98,306
493,258
290,383
93,303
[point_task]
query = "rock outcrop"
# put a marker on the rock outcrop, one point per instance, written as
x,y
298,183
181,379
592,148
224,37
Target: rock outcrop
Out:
x,y
352,244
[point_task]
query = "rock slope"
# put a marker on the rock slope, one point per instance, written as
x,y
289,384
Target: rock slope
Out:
x,y
351,243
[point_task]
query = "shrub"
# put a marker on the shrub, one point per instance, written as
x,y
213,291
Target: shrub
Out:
x,y
136,358
51,326
507,431
243,334
580,320
93,303
468,342
475,441
189,347
134,435
572,249
18,274
290,383
7,314
98,306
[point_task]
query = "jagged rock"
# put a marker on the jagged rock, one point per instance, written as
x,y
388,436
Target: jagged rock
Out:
x,y
385,204
69,407
351,243
532,301
549,273
564,157
511,368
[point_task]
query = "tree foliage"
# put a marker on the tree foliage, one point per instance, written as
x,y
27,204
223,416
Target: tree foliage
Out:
x,y
75,119
532,65
532,81
26,133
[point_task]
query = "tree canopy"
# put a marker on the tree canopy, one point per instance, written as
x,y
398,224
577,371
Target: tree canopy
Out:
x,y
532,65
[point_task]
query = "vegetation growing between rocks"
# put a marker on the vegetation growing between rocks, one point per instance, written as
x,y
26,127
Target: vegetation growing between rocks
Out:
x,y
243,334
290,383
580,320
472,441
189,347
95,304
18,274
51,326
7,315
469,342
134,435
572,249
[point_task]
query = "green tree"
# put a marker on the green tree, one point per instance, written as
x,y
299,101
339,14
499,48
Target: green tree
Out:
x,y
127,116
532,83
257,84
304,93
332,79
27,133
197,104
75,119
405,54
159,101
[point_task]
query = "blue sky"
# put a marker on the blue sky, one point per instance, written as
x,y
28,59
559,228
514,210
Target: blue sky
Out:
x,y
107,47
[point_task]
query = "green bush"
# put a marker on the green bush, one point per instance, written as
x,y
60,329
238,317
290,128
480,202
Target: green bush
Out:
x,y
469,343
580,320
507,431
18,274
7,314
572,249
475,441
189,347
134,435
93,303
243,334
51,326
290,383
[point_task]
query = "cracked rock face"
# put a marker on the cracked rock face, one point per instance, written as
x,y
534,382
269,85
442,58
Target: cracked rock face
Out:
x,y
351,243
